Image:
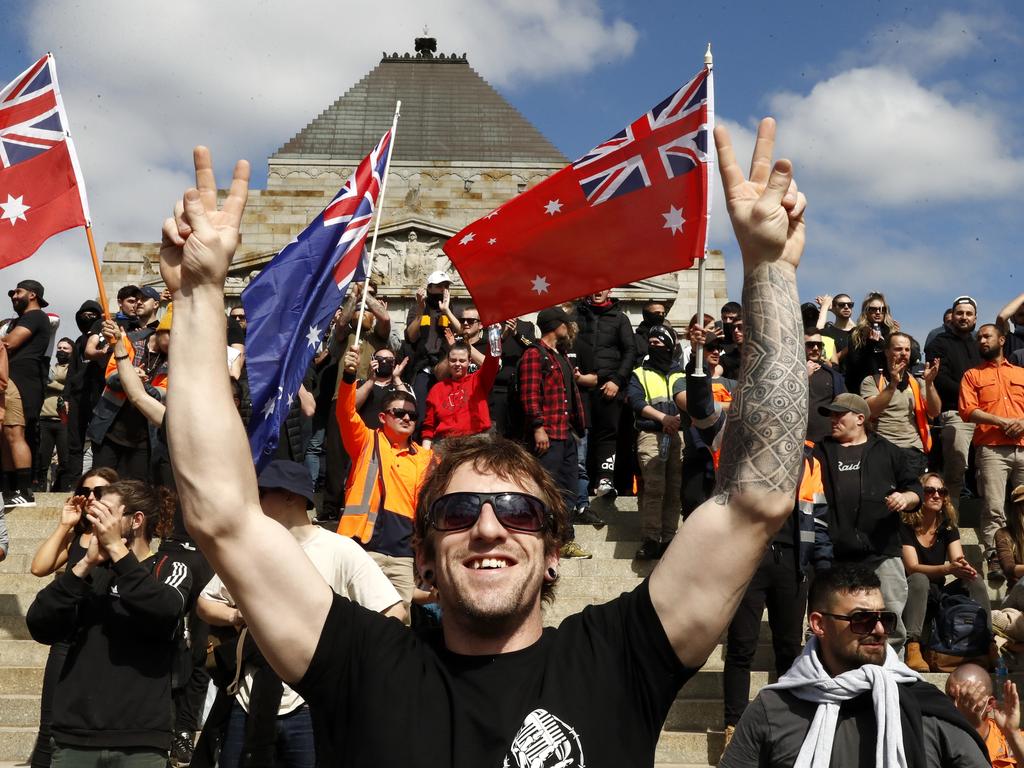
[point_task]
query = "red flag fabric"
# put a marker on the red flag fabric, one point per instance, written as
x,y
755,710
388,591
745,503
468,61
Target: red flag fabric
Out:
x,y
633,207
40,189
38,198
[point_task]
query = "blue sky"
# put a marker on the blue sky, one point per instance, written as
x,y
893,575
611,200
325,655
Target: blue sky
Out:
x,y
903,121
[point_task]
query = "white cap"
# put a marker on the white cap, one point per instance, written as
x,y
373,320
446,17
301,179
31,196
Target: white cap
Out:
x,y
436,278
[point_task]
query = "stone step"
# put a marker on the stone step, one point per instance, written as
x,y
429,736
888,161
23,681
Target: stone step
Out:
x,y
22,653
15,605
27,681
12,627
17,742
19,709
15,563
689,748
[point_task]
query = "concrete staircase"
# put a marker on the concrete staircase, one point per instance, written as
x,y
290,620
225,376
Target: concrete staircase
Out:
x,y
692,735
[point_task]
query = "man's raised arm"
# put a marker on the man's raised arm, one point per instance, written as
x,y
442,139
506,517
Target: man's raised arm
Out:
x,y
698,583
283,598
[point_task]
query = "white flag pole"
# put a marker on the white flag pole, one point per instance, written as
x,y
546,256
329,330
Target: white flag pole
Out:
x,y
376,226
698,364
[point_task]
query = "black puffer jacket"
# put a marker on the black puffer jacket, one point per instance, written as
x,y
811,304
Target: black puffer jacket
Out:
x,y
606,338
957,353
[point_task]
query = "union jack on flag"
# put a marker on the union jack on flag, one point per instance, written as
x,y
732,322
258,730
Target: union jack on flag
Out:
x,y
668,141
289,305
41,188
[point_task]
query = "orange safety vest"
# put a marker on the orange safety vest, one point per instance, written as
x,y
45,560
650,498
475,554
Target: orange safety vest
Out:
x,y
383,478
920,410
721,394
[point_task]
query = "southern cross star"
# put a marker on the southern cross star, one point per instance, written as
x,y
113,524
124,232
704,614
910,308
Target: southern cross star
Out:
x,y
553,207
313,337
467,239
14,208
540,284
492,241
268,409
674,219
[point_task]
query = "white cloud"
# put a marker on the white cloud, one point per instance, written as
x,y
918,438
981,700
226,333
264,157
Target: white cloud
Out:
x,y
878,136
144,82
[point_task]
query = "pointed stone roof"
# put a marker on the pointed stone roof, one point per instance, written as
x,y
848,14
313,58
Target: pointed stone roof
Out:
x,y
449,114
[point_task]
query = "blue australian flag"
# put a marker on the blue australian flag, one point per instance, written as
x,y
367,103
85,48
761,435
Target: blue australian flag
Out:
x,y
289,305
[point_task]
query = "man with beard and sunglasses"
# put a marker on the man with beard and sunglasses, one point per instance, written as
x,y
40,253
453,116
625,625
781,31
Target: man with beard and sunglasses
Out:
x,y
848,700
992,399
387,471
493,684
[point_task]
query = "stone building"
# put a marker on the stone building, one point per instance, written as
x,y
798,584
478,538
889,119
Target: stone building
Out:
x,y
461,150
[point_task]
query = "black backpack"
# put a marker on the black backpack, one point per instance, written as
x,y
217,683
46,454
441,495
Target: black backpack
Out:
x,y
960,627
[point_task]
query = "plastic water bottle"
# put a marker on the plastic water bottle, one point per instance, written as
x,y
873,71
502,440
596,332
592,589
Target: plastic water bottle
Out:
x,y
494,339
1002,674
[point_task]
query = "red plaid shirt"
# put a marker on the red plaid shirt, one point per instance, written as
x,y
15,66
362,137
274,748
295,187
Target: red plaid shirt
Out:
x,y
544,396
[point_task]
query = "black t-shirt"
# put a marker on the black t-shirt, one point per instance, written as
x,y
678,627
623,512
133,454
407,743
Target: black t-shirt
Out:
x,y
235,333
936,553
821,391
593,692
848,482
28,362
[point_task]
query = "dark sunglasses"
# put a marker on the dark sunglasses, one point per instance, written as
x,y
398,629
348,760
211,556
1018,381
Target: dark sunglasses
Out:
x,y
844,304
863,622
878,309
469,320
937,491
238,317
817,344
96,492
401,413
516,511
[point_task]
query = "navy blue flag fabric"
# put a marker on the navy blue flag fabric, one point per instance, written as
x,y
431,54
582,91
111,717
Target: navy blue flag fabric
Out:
x,y
289,305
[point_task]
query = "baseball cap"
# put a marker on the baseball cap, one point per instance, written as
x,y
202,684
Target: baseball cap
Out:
x,y
847,403
35,287
552,317
965,299
149,292
285,475
438,277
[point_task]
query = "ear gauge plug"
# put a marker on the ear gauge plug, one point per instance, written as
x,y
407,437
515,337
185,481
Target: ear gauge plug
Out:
x,y
428,576
552,574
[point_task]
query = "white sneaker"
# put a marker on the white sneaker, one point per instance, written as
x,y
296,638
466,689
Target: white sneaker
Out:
x,y
605,488
20,500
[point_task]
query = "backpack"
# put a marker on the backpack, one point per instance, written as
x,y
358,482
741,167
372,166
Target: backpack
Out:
x,y
960,628
518,429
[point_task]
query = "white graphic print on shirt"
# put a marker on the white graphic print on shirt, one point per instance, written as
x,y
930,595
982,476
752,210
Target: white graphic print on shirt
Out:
x,y
544,741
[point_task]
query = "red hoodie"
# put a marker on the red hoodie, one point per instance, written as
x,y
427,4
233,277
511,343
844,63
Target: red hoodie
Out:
x,y
460,407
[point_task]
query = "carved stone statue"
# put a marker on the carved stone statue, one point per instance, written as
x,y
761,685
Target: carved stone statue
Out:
x,y
413,259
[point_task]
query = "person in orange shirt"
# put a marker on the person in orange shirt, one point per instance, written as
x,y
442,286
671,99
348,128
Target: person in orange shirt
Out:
x,y
998,724
388,469
992,397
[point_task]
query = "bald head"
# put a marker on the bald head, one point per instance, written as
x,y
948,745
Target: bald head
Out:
x,y
969,673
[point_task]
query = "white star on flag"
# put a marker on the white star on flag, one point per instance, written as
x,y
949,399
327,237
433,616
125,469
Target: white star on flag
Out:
x,y
540,284
553,207
268,409
313,337
467,239
674,219
14,208
492,241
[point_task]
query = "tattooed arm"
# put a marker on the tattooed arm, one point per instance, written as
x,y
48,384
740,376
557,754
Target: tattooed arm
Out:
x,y
699,582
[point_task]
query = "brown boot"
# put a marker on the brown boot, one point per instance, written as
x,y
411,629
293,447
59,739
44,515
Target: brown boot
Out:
x,y
913,657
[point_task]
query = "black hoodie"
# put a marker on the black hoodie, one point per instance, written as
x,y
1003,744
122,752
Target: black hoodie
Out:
x,y
84,375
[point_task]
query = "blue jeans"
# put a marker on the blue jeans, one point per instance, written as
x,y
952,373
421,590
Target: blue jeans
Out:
x,y
314,452
583,499
295,747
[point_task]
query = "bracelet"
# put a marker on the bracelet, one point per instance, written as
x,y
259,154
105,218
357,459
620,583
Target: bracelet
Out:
x,y
122,357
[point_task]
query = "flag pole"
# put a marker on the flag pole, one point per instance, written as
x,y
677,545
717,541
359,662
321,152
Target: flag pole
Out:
x,y
99,273
376,226
698,364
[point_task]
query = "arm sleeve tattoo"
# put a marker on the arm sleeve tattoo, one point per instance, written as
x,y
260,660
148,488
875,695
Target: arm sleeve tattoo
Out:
x,y
765,430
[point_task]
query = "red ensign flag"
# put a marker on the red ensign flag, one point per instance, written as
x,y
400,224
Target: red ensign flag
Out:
x,y
41,192
633,207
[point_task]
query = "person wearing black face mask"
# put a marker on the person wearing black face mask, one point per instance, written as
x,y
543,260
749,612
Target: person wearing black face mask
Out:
x,y
82,388
659,447
653,314
386,378
53,430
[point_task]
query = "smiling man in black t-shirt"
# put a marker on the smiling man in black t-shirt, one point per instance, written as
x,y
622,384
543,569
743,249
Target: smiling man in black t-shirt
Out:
x,y
27,339
494,685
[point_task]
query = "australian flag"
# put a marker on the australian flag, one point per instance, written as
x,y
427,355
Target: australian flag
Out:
x,y
289,305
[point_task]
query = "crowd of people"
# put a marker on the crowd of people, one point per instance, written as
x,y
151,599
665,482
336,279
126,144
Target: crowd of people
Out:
x,y
456,460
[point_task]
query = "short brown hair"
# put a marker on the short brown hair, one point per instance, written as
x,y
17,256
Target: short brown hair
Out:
x,y
509,461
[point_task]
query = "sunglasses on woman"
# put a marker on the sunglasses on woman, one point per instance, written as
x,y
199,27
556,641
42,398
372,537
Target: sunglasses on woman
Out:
x,y
516,511
877,309
96,491
937,491
863,622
